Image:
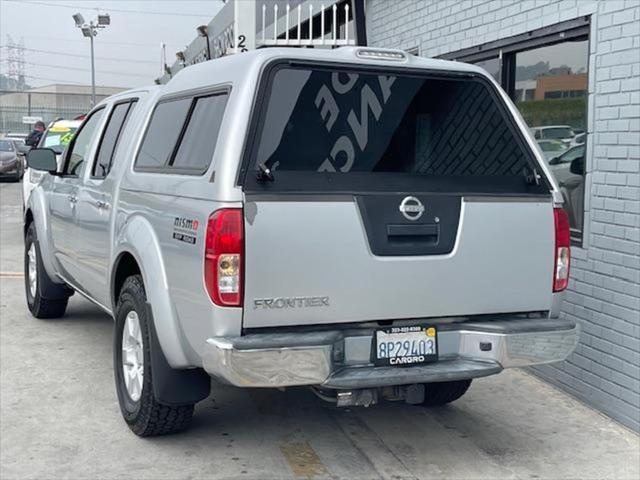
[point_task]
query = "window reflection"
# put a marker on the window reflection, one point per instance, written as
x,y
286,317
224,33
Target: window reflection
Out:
x,y
551,93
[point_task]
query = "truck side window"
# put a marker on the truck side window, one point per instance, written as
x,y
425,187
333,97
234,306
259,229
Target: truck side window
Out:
x,y
162,134
182,135
82,144
115,126
199,140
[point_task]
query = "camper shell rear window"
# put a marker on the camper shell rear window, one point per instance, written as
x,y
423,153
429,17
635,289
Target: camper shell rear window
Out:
x,y
350,129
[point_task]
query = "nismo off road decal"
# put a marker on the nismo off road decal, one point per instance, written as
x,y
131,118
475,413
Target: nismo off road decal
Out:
x,y
185,229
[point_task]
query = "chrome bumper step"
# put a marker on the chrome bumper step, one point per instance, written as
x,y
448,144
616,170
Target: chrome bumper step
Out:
x,y
341,360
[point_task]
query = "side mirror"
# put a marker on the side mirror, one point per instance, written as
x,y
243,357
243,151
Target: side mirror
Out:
x,y
554,161
577,166
42,159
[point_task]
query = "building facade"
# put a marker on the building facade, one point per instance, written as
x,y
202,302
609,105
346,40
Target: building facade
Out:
x,y
565,63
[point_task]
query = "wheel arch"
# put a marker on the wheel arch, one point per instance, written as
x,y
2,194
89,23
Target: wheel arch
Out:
x,y
35,212
125,266
138,251
28,219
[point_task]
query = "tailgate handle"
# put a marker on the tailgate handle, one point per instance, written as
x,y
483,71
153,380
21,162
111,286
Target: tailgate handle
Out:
x,y
414,233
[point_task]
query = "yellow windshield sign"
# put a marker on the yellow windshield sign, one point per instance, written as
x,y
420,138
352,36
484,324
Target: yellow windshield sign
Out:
x,y
56,129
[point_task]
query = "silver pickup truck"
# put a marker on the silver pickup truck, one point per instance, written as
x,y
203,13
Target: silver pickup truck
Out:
x,y
364,222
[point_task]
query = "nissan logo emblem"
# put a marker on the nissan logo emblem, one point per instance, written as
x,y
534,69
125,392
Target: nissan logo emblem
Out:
x,y
411,208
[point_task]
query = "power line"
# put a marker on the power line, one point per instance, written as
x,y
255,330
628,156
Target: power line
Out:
x,y
141,12
51,52
103,42
50,80
82,69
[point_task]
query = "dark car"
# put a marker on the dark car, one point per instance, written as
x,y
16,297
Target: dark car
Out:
x,y
11,164
568,168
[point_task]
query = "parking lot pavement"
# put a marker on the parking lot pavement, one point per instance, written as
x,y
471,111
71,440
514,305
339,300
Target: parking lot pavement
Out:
x,y
59,416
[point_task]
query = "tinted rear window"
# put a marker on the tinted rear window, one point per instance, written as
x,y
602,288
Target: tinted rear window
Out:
x,y
349,123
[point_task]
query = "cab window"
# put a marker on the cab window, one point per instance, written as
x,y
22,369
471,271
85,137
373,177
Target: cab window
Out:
x,y
81,144
111,137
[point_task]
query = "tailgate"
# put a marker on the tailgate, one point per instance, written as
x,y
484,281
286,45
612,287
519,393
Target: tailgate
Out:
x,y
390,196
312,263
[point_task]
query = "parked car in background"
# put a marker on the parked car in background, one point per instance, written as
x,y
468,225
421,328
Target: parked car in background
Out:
x,y
291,217
568,168
11,160
56,137
563,133
579,139
552,148
15,136
560,165
21,150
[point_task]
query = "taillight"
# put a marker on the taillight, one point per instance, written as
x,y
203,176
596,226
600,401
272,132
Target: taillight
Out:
x,y
223,263
562,251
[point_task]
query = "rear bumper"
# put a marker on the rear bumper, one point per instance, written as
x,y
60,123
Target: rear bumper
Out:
x,y
341,359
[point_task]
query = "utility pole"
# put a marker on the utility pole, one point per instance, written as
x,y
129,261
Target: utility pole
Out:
x,y
93,76
15,58
163,58
91,30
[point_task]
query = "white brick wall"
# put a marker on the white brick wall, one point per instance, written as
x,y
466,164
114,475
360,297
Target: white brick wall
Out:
x,y
605,285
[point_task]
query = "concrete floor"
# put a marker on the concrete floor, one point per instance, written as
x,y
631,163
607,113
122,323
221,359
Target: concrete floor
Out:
x,y
59,416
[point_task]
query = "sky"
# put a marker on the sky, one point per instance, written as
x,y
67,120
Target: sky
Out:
x,y
127,52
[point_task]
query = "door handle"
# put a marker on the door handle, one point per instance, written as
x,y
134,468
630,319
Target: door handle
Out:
x,y
72,199
425,234
413,230
102,205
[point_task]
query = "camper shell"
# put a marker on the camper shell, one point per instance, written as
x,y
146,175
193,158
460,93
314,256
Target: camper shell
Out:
x,y
340,234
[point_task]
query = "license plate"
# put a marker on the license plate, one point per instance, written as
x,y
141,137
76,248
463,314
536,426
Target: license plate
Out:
x,y
405,346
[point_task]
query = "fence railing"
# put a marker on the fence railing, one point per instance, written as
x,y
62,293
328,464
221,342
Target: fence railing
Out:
x,y
295,22
49,106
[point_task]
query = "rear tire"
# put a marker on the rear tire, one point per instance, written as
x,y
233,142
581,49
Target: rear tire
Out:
x,y
441,393
144,415
38,306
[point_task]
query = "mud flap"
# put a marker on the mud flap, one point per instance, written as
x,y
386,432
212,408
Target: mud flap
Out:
x,y
172,386
48,289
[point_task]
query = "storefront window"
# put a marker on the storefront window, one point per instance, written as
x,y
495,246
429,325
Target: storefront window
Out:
x,y
550,91
545,72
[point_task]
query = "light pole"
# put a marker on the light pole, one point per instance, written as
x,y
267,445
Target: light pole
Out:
x,y
91,30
